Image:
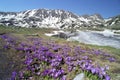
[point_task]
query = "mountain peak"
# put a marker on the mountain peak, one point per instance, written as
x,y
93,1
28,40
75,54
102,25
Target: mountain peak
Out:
x,y
49,18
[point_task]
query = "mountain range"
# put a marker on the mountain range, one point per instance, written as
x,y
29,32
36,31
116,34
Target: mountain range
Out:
x,y
48,18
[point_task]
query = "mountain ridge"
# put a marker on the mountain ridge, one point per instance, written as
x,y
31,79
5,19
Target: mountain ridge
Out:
x,y
51,18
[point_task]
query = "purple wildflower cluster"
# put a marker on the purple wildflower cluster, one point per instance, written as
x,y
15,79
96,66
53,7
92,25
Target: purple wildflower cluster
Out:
x,y
47,59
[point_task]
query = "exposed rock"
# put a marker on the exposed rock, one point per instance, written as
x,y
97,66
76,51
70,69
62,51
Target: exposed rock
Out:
x,y
61,35
79,76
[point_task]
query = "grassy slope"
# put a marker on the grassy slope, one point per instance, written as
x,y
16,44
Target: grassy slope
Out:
x,y
22,32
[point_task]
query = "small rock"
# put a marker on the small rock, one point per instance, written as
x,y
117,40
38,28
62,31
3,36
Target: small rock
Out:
x,y
79,77
61,35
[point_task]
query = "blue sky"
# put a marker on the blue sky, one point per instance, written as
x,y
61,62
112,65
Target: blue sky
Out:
x,y
107,8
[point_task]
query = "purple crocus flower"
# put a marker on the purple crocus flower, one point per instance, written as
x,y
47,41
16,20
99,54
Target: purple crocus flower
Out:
x,y
93,70
107,77
97,52
21,74
19,48
70,68
111,59
13,75
4,36
43,48
63,78
59,58
28,61
58,73
46,72
6,46
85,57
89,67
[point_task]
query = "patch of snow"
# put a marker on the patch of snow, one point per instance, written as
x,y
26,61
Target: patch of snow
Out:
x,y
108,33
23,25
32,12
7,17
108,19
54,33
102,38
116,30
50,20
49,34
1,16
112,23
84,19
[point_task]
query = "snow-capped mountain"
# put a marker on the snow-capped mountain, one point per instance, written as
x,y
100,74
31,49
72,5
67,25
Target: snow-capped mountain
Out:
x,y
48,18
113,21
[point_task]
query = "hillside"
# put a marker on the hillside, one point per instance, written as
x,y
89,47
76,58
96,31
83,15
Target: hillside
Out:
x,y
32,55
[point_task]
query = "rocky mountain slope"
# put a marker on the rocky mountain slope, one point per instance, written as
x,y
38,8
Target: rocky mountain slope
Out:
x,y
113,21
48,18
